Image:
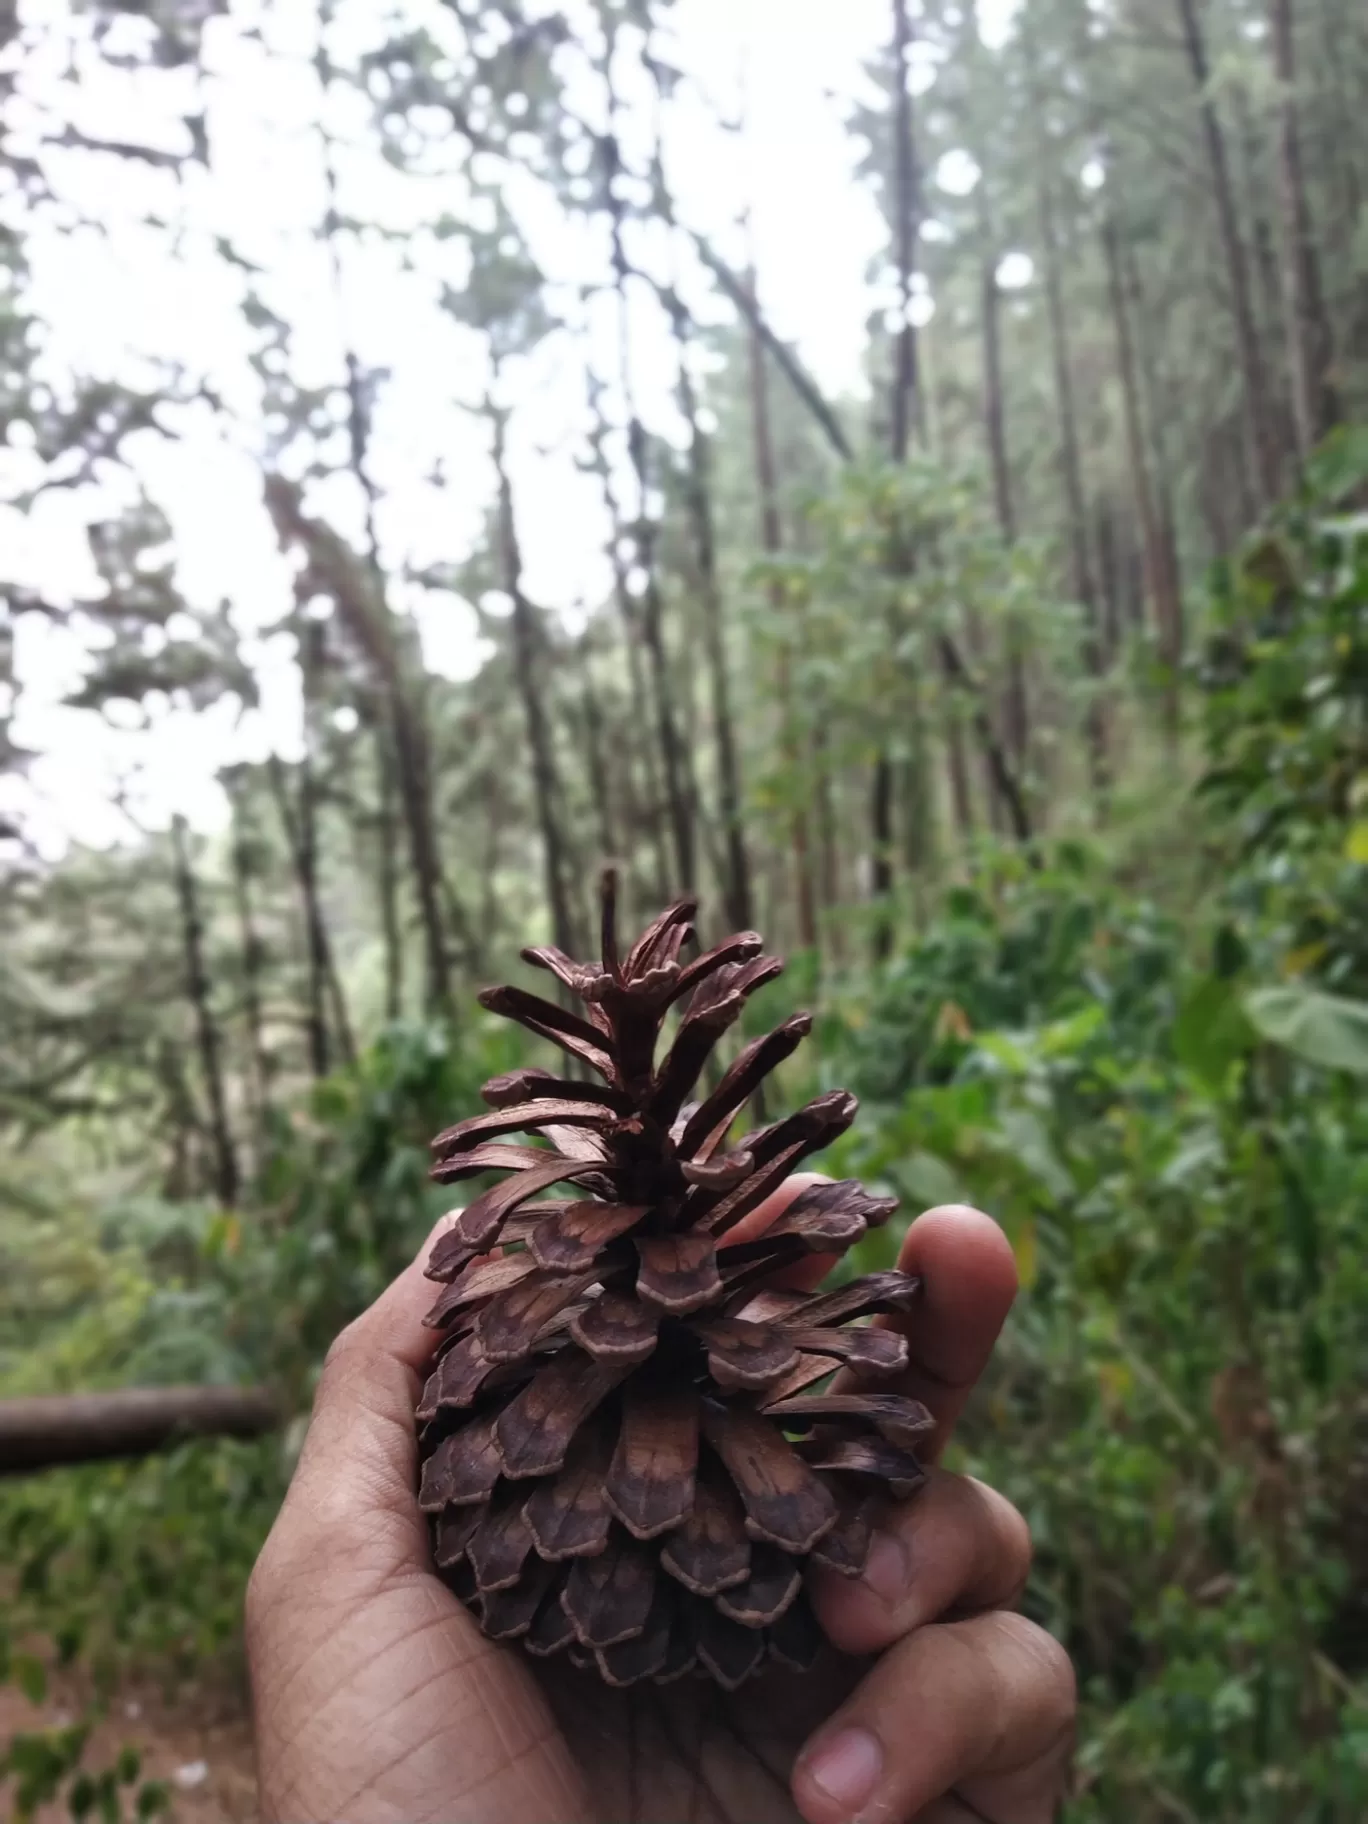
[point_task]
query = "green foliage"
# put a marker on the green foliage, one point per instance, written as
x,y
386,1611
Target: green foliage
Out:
x,y
1177,1404
43,1766
1285,676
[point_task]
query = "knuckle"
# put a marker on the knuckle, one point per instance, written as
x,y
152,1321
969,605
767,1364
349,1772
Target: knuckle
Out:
x,y
1014,1546
1003,1547
340,1351
1044,1662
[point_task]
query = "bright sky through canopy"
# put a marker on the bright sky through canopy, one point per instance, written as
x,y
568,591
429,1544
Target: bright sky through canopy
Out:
x,y
118,301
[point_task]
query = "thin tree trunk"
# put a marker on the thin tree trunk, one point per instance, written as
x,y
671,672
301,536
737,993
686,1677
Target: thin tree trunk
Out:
x,y
737,870
388,878
596,764
905,415
496,821
1251,199
907,403
994,407
1016,707
1005,779
546,785
1107,546
647,817
316,940
315,932
1257,401
416,798
881,858
198,990
1160,583
828,839
374,622
804,387
253,956
771,542
961,792
1310,343
1084,582
1336,101
1153,401
680,795
334,570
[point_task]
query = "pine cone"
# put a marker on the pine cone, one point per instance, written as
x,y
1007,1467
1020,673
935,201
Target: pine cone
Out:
x,y
627,1452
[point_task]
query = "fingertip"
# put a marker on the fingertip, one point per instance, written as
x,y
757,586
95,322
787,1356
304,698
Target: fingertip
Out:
x,y
969,1282
954,1243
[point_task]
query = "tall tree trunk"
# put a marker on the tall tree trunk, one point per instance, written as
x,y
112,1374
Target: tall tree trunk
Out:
x,y
372,621
961,792
317,948
907,403
1257,400
299,826
334,570
1015,706
1084,581
546,784
388,877
771,542
253,956
828,837
680,794
1252,198
737,870
646,817
198,990
994,405
1311,352
1160,583
906,414
596,764
496,821
1004,777
1337,98
1153,399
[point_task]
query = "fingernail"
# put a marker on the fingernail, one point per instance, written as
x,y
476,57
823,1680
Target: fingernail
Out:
x,y
888,1570
847,1768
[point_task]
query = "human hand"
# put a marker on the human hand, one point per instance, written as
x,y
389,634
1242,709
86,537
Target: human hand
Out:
x,y
377,1698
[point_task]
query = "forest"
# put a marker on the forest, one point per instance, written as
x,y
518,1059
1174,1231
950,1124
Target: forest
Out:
x,y
899,470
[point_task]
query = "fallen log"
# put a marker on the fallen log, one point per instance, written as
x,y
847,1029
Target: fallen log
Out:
x,y
90,1427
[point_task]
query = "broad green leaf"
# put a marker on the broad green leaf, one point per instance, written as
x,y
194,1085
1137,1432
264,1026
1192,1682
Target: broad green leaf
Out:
x,y
1211,1031
1356,844
1063,1038
1324,1029
1192,1160
1023,1138
926,1181
1014,1058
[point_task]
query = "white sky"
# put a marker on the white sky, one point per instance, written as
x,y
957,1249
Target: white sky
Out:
x,y
116,301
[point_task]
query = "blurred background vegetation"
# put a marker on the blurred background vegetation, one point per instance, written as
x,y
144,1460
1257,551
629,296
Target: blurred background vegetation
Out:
x,y
1019,694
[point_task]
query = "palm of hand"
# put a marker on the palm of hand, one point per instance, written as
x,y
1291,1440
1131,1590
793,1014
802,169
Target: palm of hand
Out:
x,y
689,1750
464,1728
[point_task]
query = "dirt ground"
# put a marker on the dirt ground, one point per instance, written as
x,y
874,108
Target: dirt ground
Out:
x,y
201,1747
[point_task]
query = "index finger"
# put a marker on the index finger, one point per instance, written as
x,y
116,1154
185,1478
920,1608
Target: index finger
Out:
x,y
969,1280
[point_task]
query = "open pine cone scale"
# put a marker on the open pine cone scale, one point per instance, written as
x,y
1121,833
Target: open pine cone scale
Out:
x,y
629,1450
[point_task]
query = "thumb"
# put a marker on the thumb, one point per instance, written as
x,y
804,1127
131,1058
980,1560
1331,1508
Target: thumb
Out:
x,y
358,1470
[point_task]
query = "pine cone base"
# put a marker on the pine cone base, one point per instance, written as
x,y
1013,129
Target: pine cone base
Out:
x,y
632,1443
